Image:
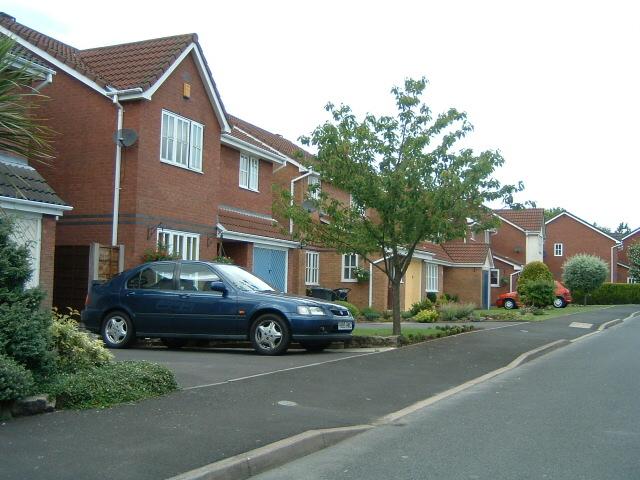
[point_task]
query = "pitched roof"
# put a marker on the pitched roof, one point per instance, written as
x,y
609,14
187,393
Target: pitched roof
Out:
x,y
585,223
528,219
631,234
436,250
23,182
244,137
275,141
469,252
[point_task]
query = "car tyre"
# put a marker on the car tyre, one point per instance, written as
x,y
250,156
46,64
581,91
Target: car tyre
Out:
x,y
174,343
559,302
270,335
117,330
315,346
509,304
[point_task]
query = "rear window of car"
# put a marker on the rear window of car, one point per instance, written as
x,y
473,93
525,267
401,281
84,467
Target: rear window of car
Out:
x,y
153,277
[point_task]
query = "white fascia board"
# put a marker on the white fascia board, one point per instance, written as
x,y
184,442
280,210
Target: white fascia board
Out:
x,y
508,262
10,203
211,92
228,140
31,67
510,223
54,61
620,264
247,237
422,255
630,234
489,259
585,224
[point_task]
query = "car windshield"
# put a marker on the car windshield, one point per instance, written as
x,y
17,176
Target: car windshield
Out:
x,y
243,280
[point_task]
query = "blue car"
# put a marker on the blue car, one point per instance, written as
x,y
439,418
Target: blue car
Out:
x,y
181,300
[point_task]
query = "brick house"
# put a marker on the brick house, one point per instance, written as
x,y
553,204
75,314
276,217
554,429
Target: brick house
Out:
x,y
623,258
567,235
28,200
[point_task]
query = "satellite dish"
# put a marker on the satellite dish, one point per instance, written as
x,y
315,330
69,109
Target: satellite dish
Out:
x,y
125,137
309,206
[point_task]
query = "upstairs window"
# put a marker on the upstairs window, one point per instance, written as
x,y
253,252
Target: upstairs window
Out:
x,y
314,192
249,171
557,249
181,141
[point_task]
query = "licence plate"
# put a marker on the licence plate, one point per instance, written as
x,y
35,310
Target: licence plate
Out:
x,y
345,326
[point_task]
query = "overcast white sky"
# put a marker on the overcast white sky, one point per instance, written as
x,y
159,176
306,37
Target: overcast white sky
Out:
x,y
553,85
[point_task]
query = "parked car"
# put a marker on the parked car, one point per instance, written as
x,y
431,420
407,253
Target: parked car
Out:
x,y
181,300
511,300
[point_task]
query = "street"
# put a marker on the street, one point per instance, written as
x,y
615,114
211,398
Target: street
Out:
x,y
573,414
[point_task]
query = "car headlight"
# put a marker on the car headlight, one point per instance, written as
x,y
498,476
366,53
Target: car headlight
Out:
x,y
302,310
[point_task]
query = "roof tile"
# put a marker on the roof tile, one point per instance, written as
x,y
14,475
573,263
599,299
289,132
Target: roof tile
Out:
x,y
25,183
530,219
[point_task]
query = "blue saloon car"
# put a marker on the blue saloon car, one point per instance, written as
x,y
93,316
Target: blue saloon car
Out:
x,y
181,300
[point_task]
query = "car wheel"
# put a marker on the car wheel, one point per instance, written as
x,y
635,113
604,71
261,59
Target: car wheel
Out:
x,y
559,302
315,346
174,343
270,335
509,304
117,330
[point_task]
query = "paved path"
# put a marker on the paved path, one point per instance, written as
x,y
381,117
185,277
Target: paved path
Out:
x,y
163,437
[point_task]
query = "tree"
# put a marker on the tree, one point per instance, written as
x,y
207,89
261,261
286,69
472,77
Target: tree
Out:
x,y
549,213
634,260
406,182
623,228
21,133
535,285
584,273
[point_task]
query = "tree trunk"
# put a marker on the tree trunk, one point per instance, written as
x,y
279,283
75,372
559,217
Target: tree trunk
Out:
x,y
395,303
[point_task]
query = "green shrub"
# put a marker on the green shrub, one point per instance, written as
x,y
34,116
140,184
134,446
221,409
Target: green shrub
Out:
x,y
584,273
406,314
112,383
534,271
15,380
615,294
455,311
537,293
370,313
450,298
432,296
76,350
387,314
161,252
355,311
426,316
425,304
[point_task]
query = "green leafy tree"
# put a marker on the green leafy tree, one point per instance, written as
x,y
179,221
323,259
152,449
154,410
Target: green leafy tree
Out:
x,y
634,259
535,285
623,228
549,213
404,173
21,132
584,273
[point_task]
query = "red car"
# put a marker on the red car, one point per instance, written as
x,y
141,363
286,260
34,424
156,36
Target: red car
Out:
x,y
510,300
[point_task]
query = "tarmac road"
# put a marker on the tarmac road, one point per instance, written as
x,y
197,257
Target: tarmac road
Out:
x,y
163,437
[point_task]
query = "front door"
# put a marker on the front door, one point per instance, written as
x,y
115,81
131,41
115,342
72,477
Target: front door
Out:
x,y
270,264
485,289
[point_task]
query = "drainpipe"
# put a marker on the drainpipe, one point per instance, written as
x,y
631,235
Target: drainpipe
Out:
x,y
48,79
292,192
116,181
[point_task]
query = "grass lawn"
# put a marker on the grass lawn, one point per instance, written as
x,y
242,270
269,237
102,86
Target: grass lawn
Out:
x,y
386,331
513,315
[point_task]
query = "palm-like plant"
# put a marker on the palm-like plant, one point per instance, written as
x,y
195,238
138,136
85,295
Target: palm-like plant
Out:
x,y
21,132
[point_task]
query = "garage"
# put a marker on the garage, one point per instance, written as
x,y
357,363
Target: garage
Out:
x,y
271,264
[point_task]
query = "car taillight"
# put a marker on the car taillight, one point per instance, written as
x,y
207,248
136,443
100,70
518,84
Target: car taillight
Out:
x,y
86,300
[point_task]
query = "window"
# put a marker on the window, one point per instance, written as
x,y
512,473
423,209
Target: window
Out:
x,y
349,265
249,171
432,277
631,280
557,250
314,192
181,141
312,268
183,244
154,277
197,277
495,277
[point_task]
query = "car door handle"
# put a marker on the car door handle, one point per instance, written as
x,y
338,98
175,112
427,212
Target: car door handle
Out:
x,y
130,294
184,295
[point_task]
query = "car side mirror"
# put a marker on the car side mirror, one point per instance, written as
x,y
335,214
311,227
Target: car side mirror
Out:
x,y
219,287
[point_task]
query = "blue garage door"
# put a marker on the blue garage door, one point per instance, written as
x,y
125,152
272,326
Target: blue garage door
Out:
x,y
271,266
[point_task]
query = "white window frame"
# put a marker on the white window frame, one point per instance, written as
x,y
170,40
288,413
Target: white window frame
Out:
x,y
312,268
314,180
431,277
558,249
497,282
351,275
249,173
184,244
181,141
631,280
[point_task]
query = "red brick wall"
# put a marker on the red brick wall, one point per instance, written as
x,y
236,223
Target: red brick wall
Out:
x,y
505,271
466,283
47,250
622,274
510,242
576,238
623,254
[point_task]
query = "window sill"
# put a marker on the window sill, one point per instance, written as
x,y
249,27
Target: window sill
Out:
x,y
249,189
347,280
166,162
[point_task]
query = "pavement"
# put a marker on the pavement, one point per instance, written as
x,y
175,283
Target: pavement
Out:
x,y
236,402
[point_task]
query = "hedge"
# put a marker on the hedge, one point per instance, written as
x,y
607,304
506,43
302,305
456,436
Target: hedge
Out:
x,y
612,294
